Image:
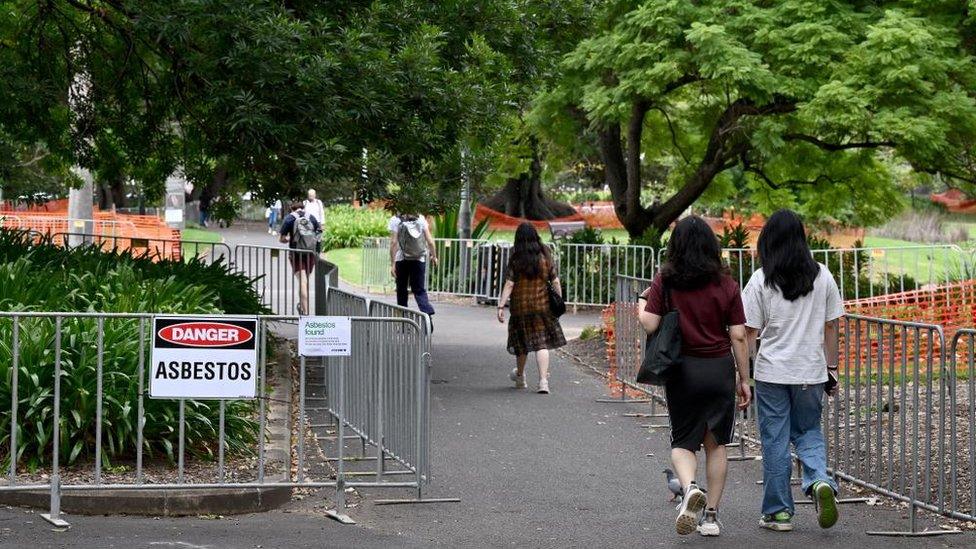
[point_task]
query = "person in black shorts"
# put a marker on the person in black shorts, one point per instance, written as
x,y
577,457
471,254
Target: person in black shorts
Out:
x,y
302,258
701,390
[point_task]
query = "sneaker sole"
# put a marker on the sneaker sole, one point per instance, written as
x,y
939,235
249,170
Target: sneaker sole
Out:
x,y
776,527
687,521
708,533
826,506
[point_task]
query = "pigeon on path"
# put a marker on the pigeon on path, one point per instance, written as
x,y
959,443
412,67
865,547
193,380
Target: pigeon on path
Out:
x,y
674,485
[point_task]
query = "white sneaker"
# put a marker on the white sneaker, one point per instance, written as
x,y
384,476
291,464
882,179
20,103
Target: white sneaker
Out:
x,y
543,387
691,506
709,525
519,380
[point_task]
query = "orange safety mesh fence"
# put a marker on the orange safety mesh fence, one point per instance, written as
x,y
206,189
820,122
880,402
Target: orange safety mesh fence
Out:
x,y
951,306
499,221
138,233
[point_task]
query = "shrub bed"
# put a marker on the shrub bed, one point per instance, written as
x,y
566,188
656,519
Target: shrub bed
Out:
x,y
347,227
45,277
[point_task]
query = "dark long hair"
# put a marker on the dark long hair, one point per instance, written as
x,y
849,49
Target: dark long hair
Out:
x,y
528,252
693,258
785,255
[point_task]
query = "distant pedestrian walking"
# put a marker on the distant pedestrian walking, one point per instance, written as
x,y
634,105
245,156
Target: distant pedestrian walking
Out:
x,y
701,390
794,305
411,244
274,214
314,207
532,327
301,231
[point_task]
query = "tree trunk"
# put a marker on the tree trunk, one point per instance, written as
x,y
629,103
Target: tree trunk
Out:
x,y
523,197
212,189
623,167
117,188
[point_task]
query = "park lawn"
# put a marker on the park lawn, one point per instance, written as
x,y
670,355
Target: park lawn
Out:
x,y
190,235
201,235
350,263
925,263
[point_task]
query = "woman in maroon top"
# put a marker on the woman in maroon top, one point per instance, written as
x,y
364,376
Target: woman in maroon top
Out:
x,y
701,390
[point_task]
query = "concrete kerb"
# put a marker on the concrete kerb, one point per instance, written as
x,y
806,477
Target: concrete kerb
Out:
x,y
184,502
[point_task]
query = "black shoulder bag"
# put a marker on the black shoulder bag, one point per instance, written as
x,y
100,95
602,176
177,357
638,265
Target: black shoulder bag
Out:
x,y
557,305
662,351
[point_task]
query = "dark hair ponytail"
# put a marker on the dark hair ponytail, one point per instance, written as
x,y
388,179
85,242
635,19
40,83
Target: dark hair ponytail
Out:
x,y
787,262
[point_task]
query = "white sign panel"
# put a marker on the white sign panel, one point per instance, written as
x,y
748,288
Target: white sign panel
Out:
x,y
204,358
324,336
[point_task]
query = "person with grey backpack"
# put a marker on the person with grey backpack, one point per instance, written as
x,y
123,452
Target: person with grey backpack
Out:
x,y
302,232
411,244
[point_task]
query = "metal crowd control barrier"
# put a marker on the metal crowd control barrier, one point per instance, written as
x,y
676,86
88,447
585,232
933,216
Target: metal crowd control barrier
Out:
x,y
99,362
208,252
476,268
276,274
902,419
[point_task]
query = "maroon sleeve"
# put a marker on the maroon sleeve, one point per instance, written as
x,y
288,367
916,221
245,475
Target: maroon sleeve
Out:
x,y
654,296
735,314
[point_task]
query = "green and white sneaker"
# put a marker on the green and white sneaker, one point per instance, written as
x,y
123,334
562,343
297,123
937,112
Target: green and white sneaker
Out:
x,y
779,522
825,502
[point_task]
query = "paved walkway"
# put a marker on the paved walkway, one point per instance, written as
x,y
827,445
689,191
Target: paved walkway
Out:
x,y
532,471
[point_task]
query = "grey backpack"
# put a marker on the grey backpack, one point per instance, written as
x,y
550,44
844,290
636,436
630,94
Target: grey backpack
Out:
x,y
410,237
305,236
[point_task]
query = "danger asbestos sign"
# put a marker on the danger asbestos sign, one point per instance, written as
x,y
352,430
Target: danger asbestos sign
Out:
x,y
201,357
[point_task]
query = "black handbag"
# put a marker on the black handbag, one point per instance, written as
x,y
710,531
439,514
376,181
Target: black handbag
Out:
x,y
557,305
662,350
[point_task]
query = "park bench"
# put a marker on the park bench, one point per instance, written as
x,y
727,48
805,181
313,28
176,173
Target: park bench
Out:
x,y
561,230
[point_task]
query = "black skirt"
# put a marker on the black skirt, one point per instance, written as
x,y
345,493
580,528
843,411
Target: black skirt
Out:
x,y
701,396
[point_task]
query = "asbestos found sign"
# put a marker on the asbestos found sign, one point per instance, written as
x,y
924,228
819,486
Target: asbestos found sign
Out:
x,y
324,336
204,358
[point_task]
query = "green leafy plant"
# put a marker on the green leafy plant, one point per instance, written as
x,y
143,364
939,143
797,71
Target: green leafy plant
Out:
x,y
736,236
446,226
348,227
88,279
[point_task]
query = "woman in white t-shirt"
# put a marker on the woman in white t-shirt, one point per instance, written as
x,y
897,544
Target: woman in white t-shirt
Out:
x,y
794,304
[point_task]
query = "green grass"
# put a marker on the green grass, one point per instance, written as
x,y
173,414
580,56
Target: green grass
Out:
x,y
350,263
198,235
924,264
201,235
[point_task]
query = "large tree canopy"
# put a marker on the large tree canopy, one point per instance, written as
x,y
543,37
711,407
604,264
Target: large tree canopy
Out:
x,y
799,95
273,96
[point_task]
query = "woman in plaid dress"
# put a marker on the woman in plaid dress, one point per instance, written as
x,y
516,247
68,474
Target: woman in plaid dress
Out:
x,y
532,327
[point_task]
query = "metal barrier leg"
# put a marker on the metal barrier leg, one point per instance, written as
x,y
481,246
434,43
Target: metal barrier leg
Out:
x,y
913,531
54,516
339,513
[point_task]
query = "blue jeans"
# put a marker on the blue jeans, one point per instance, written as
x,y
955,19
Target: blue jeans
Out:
x,y
412,272
273,220
790,413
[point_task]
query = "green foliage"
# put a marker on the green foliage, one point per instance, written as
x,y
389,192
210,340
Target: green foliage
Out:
x,y
446,226
651,238
49,278
590,333
347,227
734,237
815,104
587,235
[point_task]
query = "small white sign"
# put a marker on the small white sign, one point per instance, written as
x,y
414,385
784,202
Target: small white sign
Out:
x,y
173,216
204,358
324,336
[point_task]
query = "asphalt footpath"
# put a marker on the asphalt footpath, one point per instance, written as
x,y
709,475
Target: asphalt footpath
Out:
x,y
558,470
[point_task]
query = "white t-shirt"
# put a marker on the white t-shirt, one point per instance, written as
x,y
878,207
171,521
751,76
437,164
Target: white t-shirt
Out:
x,y
315,209
394,227
791,351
